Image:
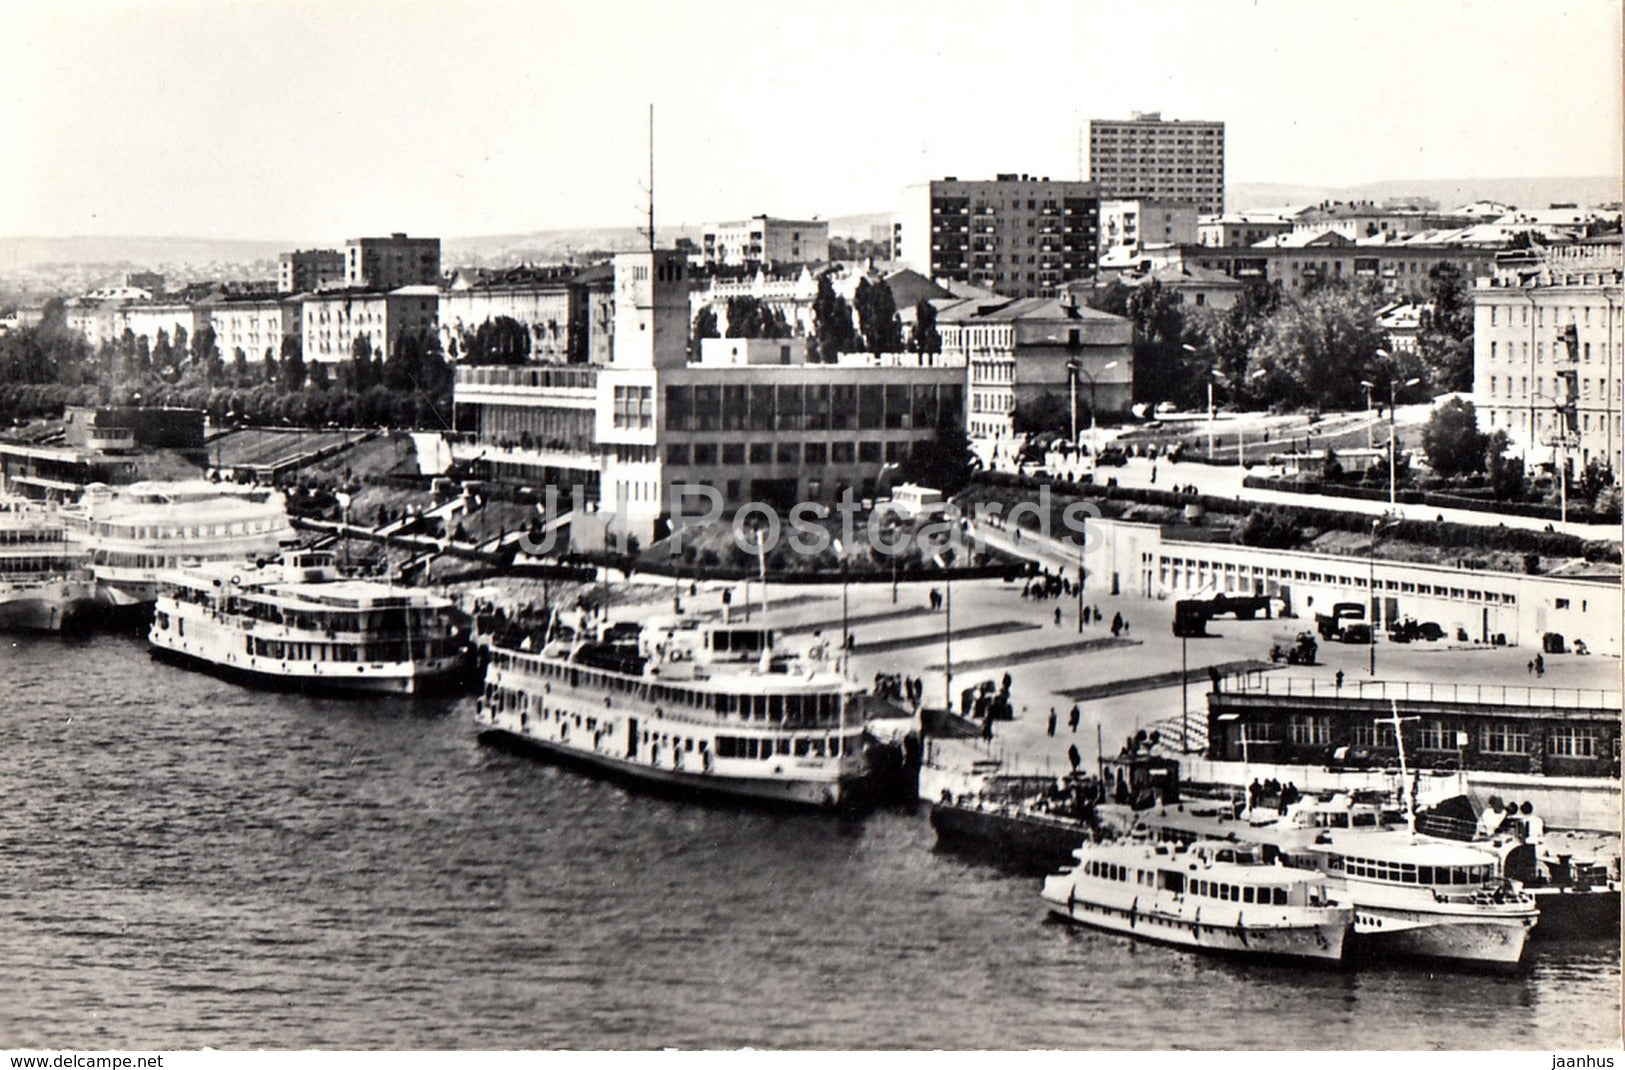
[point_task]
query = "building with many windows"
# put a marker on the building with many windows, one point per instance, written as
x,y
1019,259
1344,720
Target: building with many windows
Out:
x,y
1019,235
1548,345
1016,351
334,319
766,241
308,270
565,312
1302,260
253,323
392,262
1148,156
750,418
1131,224
1241,228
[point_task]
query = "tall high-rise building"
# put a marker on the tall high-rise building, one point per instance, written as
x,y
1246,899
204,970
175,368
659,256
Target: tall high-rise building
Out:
x,y
1018,235
1162,159
309,270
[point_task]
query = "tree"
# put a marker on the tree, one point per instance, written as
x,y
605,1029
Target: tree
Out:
x,y
1452,441
239,367
1045,414
1271,528
1445,334
942,461
1507,480
751,317
1159,354
1316,348
833,333
878,321
293,364
1229,336
926,339
360,363
163,357
1593,479
705,325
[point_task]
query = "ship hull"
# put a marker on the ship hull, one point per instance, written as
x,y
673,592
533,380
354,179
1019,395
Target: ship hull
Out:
x,y
1577,914
836,794
51,608
1023,843
1321,942
439,679
1490,943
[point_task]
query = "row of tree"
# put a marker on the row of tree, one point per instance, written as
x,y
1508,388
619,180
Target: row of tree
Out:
x,y
49,365
869,323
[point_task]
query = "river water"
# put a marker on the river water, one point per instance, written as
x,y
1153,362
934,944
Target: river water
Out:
x,y
186,863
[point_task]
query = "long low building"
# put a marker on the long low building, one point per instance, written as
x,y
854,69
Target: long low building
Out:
x,y
1484,604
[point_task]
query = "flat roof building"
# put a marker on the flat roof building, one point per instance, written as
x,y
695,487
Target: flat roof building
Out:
x,y
1148,156
766,241
392,262
1018,235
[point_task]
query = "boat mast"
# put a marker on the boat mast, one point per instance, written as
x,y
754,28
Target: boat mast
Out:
x,y
1405,795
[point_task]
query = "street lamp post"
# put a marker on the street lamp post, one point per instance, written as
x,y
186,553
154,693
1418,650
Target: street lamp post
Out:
x,y
1072,394
1393,441
1377,526
1094,430
1369,443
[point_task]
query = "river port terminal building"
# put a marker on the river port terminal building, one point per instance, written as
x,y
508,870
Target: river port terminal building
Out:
x,y
754,419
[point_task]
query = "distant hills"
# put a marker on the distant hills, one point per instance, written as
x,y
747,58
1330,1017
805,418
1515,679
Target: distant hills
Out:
x,y
109,255
1449,192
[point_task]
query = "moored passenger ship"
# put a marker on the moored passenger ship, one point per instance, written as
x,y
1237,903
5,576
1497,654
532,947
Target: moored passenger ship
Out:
x,y
44,586
297,622
714,710
1210,895
137,534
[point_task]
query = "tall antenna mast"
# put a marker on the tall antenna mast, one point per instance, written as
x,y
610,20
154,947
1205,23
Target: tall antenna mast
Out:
x,y
651,176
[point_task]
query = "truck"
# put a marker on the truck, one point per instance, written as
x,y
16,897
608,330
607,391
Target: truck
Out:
x,y
1331,625
1192,614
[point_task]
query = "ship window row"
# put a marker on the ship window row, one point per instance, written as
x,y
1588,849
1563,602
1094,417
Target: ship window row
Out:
x,y
1410,873
387,623
418,650
1239,893
186,531
818,708
34,563
760,748
21,537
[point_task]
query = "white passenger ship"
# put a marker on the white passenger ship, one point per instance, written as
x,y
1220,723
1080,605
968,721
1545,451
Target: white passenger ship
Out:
x,y
44,585
296,622
137,534
1212,896
1414,896
707,709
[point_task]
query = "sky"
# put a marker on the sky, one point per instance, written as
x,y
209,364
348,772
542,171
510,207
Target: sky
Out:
x,y
308,121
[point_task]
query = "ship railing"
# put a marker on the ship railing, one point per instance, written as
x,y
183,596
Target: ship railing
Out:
x,y
1424,691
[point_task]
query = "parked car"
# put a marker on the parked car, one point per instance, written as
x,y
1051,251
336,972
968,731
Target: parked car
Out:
x,y
1111,456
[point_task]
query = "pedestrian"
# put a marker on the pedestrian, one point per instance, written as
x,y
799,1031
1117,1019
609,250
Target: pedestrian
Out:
x,y
1540,665
987,728
1057,616
1125,626
1074,717
1531,668
1073,756
1051,728
1340,679
1153,473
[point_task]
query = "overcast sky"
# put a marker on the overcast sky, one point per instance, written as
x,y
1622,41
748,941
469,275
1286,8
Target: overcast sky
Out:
x,y
316,121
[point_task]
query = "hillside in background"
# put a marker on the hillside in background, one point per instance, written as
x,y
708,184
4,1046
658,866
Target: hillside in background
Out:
x,y
42,264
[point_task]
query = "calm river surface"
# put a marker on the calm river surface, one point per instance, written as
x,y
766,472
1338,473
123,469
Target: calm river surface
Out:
x,y
186,863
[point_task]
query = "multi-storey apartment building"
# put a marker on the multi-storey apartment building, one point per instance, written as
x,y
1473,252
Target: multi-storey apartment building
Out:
x,y
1548,345
750,418
765,240
1131,224
254,323
565,311
1234,229
1150,157
1019,235
334,319
1015,351
145,319
308,270
1301,260
392,262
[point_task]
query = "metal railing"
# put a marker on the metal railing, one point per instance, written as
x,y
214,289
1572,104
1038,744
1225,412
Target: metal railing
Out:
x,y
1569,698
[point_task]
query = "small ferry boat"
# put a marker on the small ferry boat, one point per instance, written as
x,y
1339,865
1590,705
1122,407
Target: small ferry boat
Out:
x,y
44,586
138,533
710,709
1209,895
297,622
1414,896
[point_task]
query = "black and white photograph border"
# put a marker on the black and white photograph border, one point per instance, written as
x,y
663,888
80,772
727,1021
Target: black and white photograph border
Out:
x,y
758,530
